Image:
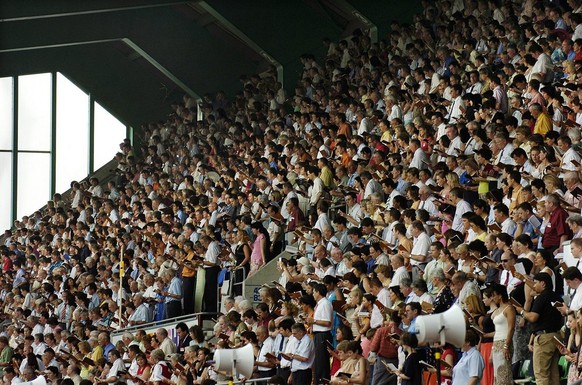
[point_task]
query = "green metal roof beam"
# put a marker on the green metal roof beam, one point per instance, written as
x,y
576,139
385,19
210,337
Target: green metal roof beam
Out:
x,y
230,27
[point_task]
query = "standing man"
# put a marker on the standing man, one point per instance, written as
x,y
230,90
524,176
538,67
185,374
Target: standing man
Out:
x,y
208,275
469,369
547,321
556,232
321,326
386,349
302,357
189,277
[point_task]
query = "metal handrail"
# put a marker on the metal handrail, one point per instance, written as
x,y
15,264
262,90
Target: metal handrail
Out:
x,y
164,322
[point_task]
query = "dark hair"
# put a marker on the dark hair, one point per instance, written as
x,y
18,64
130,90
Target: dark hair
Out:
x,y
572,273
409,339
501,290
471,337
545,278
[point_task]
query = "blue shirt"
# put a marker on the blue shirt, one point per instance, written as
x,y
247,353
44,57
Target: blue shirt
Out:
x,y
106,351
470,365
175,288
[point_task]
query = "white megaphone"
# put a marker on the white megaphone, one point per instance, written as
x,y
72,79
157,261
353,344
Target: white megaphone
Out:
x,y
235,361
449,326
40,380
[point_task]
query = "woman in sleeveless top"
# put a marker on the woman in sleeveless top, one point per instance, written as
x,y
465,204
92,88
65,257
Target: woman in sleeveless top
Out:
x,y
242,254
572,350
504,320
488,328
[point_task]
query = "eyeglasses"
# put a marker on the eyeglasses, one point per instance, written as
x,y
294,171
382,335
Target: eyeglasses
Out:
x,y
504,260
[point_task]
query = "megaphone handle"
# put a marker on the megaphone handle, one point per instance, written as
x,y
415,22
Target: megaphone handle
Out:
x,y
438,367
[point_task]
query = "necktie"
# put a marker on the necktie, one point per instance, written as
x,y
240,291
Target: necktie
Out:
x,y
281,348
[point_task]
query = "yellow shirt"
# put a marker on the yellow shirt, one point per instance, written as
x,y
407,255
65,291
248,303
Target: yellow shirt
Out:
x,y
326,177
543,124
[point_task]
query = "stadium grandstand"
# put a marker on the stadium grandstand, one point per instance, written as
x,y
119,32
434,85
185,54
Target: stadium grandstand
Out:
x,y
291,192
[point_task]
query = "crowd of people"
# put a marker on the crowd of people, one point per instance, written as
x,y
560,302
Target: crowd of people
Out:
x,y
437,167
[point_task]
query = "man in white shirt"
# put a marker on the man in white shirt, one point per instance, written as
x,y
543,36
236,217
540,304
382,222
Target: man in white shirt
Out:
x,y
420,245
302,356
461,207
265,368
457,107
371,185
318,186
321,326
419,158
166,344
284,343
426,201
543,65
455,146
501,214
565,145
211,270
573,278
381,293
400,271
392,108
504,156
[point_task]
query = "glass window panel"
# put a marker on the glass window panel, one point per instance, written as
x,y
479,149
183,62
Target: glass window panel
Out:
x,y
33,182
109,133
72,133
34,112
6,188
6,113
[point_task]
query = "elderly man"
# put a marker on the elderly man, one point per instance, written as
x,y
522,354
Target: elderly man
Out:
x,y
556,232
173,296
166,344
141,314
573,194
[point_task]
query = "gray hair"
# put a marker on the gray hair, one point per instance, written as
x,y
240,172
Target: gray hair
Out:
x,y
576,218
439,274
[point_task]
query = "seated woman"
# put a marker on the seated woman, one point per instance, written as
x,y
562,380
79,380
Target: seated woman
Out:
x,y
410,374
347,366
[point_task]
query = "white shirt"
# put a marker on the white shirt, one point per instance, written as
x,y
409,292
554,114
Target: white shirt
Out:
x,y
429,206
323,312
508,226
395,113
322,221
211,254
372,187
118,366
542,65
420,246
316,191
303,348
507,279
576,300
567,159
417,159
455,111
400,273
455,144
504,155
288,349
355,212
267,347
462,207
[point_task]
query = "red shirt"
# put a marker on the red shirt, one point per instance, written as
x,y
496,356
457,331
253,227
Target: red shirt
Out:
x,y
556,228
381,343
7,265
